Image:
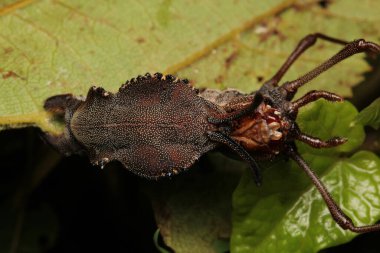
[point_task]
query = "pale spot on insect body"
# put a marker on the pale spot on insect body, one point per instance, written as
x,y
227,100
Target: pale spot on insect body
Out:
x,y
260,129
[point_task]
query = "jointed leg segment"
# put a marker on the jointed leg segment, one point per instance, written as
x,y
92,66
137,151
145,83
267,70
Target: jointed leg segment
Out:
x,y
222,138
318,143
227,117
315,95
287,91
291,88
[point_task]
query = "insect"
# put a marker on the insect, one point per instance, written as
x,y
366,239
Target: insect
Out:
x,y
158,126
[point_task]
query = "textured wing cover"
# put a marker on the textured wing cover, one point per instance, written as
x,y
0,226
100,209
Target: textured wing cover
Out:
x,y
154,126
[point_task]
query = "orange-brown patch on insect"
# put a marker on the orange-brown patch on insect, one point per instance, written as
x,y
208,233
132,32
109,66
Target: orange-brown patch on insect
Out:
x,y
259,130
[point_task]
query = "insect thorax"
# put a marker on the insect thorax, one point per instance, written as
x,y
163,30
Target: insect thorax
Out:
x,y
264,130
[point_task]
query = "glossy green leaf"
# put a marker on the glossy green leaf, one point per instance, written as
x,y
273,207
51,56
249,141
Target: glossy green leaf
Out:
x,y
326,120
370,115
287,213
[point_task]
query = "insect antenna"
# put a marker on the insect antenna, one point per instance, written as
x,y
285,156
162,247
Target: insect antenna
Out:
x,y
224,139
302,46
354,47
338,215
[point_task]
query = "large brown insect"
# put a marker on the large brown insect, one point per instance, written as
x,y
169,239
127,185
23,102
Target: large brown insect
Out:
x,y
157,126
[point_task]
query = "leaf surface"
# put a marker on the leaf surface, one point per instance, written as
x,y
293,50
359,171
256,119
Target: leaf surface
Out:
x,y
370,116
193,211
253,57
53,47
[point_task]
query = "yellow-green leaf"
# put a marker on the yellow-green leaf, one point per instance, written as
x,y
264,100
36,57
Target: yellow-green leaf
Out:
x,y
52,47
193,211
370,115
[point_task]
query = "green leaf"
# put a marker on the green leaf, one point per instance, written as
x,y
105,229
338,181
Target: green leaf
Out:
x,y
193,211
325,120
156,243
252,58
53,47
287,213
370,116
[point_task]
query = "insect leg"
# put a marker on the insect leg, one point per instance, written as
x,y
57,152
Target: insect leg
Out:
x,y
315,95
354,47
224,139
227,117
338,215
318,143
302,46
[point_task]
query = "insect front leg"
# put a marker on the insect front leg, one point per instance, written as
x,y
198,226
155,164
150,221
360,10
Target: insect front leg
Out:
x,y
224,139
314,95
310,140
228,117
318,143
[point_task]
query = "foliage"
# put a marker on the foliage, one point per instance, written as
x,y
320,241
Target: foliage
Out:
x,y
53,47
370,115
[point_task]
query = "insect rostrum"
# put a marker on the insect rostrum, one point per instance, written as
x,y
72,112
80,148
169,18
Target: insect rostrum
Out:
x,y
157,125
